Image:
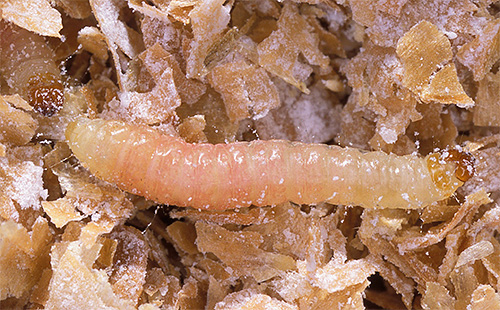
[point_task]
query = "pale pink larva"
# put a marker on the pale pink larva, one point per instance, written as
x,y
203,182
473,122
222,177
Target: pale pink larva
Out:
x,y
170,171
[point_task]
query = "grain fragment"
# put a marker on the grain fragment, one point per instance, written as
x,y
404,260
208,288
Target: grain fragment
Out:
x,y
247,90
208,20
485,297
260,264
480,54
487,108
61,212
426,54
37,16
279,52
23,256
437,297
76,284
16,126
93,41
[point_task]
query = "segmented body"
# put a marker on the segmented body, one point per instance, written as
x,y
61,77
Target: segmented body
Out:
x,y
205,176
29,68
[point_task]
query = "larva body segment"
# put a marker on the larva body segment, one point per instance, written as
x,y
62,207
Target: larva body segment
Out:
x,y
29,68
168,170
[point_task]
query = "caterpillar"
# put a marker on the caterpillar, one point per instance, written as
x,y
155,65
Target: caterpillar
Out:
x,y
169,170
29,69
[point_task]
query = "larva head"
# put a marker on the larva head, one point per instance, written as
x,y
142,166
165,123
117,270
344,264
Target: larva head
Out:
x,y
450,168
464,162
45,93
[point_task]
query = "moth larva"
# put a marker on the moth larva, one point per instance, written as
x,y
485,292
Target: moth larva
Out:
x,y
168,170
29,69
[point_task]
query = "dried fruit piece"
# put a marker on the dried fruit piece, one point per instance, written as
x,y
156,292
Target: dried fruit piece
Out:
x,y
222,48
215,293
93,230
160,288
291,232
464,282
434,129
377,239
106,252
40,292
453,241
329,43
356,128
487,171
8,210
438,212
364,12
106,205
169,34
192,295
123,42
488,222
296,288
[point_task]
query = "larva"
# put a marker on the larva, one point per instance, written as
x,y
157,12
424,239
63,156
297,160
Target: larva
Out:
x,y
168,170
28,66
